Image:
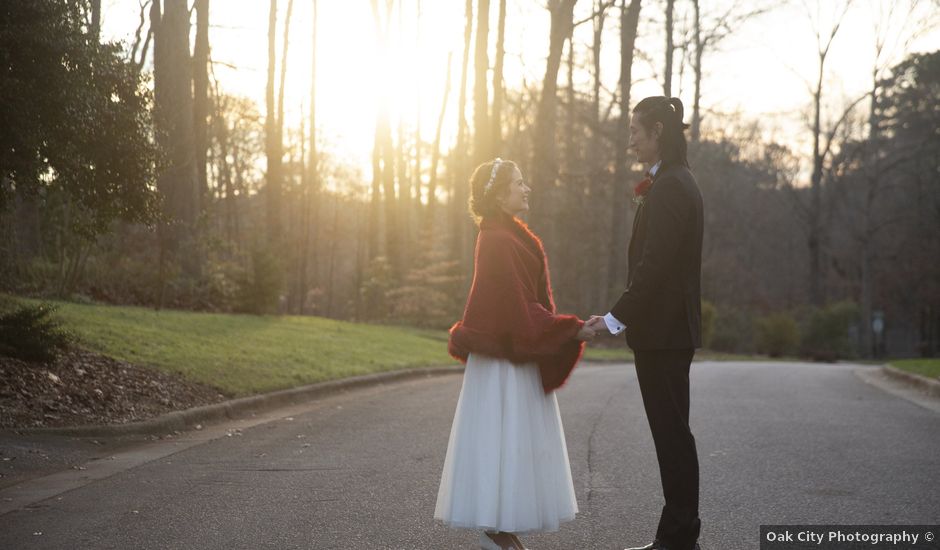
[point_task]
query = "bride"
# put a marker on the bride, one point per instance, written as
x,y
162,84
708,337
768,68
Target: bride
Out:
x,y
506,470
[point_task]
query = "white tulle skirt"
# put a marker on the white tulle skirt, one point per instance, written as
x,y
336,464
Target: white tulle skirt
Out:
x,y
507,465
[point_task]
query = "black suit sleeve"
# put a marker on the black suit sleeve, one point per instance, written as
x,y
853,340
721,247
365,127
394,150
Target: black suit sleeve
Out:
x,y
666,208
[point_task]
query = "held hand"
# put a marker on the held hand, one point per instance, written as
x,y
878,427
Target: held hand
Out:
x,y
586,334
597,323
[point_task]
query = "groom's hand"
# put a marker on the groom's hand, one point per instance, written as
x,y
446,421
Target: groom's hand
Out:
x,y
597,323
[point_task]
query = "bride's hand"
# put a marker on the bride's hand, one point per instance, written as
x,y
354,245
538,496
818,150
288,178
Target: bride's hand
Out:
x,y
586,334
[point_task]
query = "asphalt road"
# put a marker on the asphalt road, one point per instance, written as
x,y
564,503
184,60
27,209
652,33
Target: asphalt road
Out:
x,y
778,443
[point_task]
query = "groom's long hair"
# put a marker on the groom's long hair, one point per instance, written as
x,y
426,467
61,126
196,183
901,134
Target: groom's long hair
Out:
x,y
673,149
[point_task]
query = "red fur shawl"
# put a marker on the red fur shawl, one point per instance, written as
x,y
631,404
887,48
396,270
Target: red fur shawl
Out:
x,y
510,313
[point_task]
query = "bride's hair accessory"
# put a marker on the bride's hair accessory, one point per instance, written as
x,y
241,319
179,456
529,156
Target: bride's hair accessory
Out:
x,y
496,163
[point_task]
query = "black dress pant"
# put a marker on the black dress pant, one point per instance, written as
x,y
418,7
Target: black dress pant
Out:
x,y
664,383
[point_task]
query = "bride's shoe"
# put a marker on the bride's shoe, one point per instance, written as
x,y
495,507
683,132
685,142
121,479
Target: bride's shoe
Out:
x,y
486,543
517,542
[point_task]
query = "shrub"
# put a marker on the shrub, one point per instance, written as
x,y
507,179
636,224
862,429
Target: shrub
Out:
x,y
430,296
826,332
31,333
708,323
259,288
732,331
777,335
376,284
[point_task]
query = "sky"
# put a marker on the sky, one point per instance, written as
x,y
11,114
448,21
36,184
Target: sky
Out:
x,y
760,72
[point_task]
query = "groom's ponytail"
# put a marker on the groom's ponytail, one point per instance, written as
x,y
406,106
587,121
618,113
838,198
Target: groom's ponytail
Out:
x,y
668,111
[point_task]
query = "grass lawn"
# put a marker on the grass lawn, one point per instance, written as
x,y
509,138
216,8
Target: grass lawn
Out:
x,y
924,367
616,353
246,354
623,353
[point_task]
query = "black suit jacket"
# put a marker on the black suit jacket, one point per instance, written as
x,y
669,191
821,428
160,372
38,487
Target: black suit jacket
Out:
x,y
662,305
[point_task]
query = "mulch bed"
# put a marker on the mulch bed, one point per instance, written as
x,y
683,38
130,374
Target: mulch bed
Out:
x,y
82,387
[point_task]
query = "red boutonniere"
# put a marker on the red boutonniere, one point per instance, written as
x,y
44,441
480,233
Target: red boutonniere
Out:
x,y
641,189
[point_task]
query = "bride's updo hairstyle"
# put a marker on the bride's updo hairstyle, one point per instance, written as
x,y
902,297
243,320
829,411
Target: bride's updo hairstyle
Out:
x,y
483,191
673,148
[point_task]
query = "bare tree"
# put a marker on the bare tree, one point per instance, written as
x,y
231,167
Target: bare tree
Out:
x,y
436,152
569,139
697,70
311,183
824,41
386,149
416,207
708,30
498,92
173,114
272,141
481,107
95,18
141,43
895,25
201,97
544,163
617,267
600,16
459,230
670,48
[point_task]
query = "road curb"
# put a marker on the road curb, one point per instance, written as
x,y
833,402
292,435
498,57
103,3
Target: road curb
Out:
x,y
932,387
181,420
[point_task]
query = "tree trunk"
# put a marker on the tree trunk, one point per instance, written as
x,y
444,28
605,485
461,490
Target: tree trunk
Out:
x,y
404,195
569,137
332,261
544,162
240,187
436,155
95,19
459,174
670,49
392,227
283,77
404,179
599,19
299,290
416,207
481,107
312,172
375,205
384,153
817,288
496,130
870,234
697,70
620,214
221,132
272,141
594,284
201,98
141,43
173,110
815,229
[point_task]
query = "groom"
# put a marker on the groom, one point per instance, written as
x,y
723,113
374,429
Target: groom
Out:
x,y
660,311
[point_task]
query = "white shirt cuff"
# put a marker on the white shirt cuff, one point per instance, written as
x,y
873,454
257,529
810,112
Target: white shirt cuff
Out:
x,y
613,325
